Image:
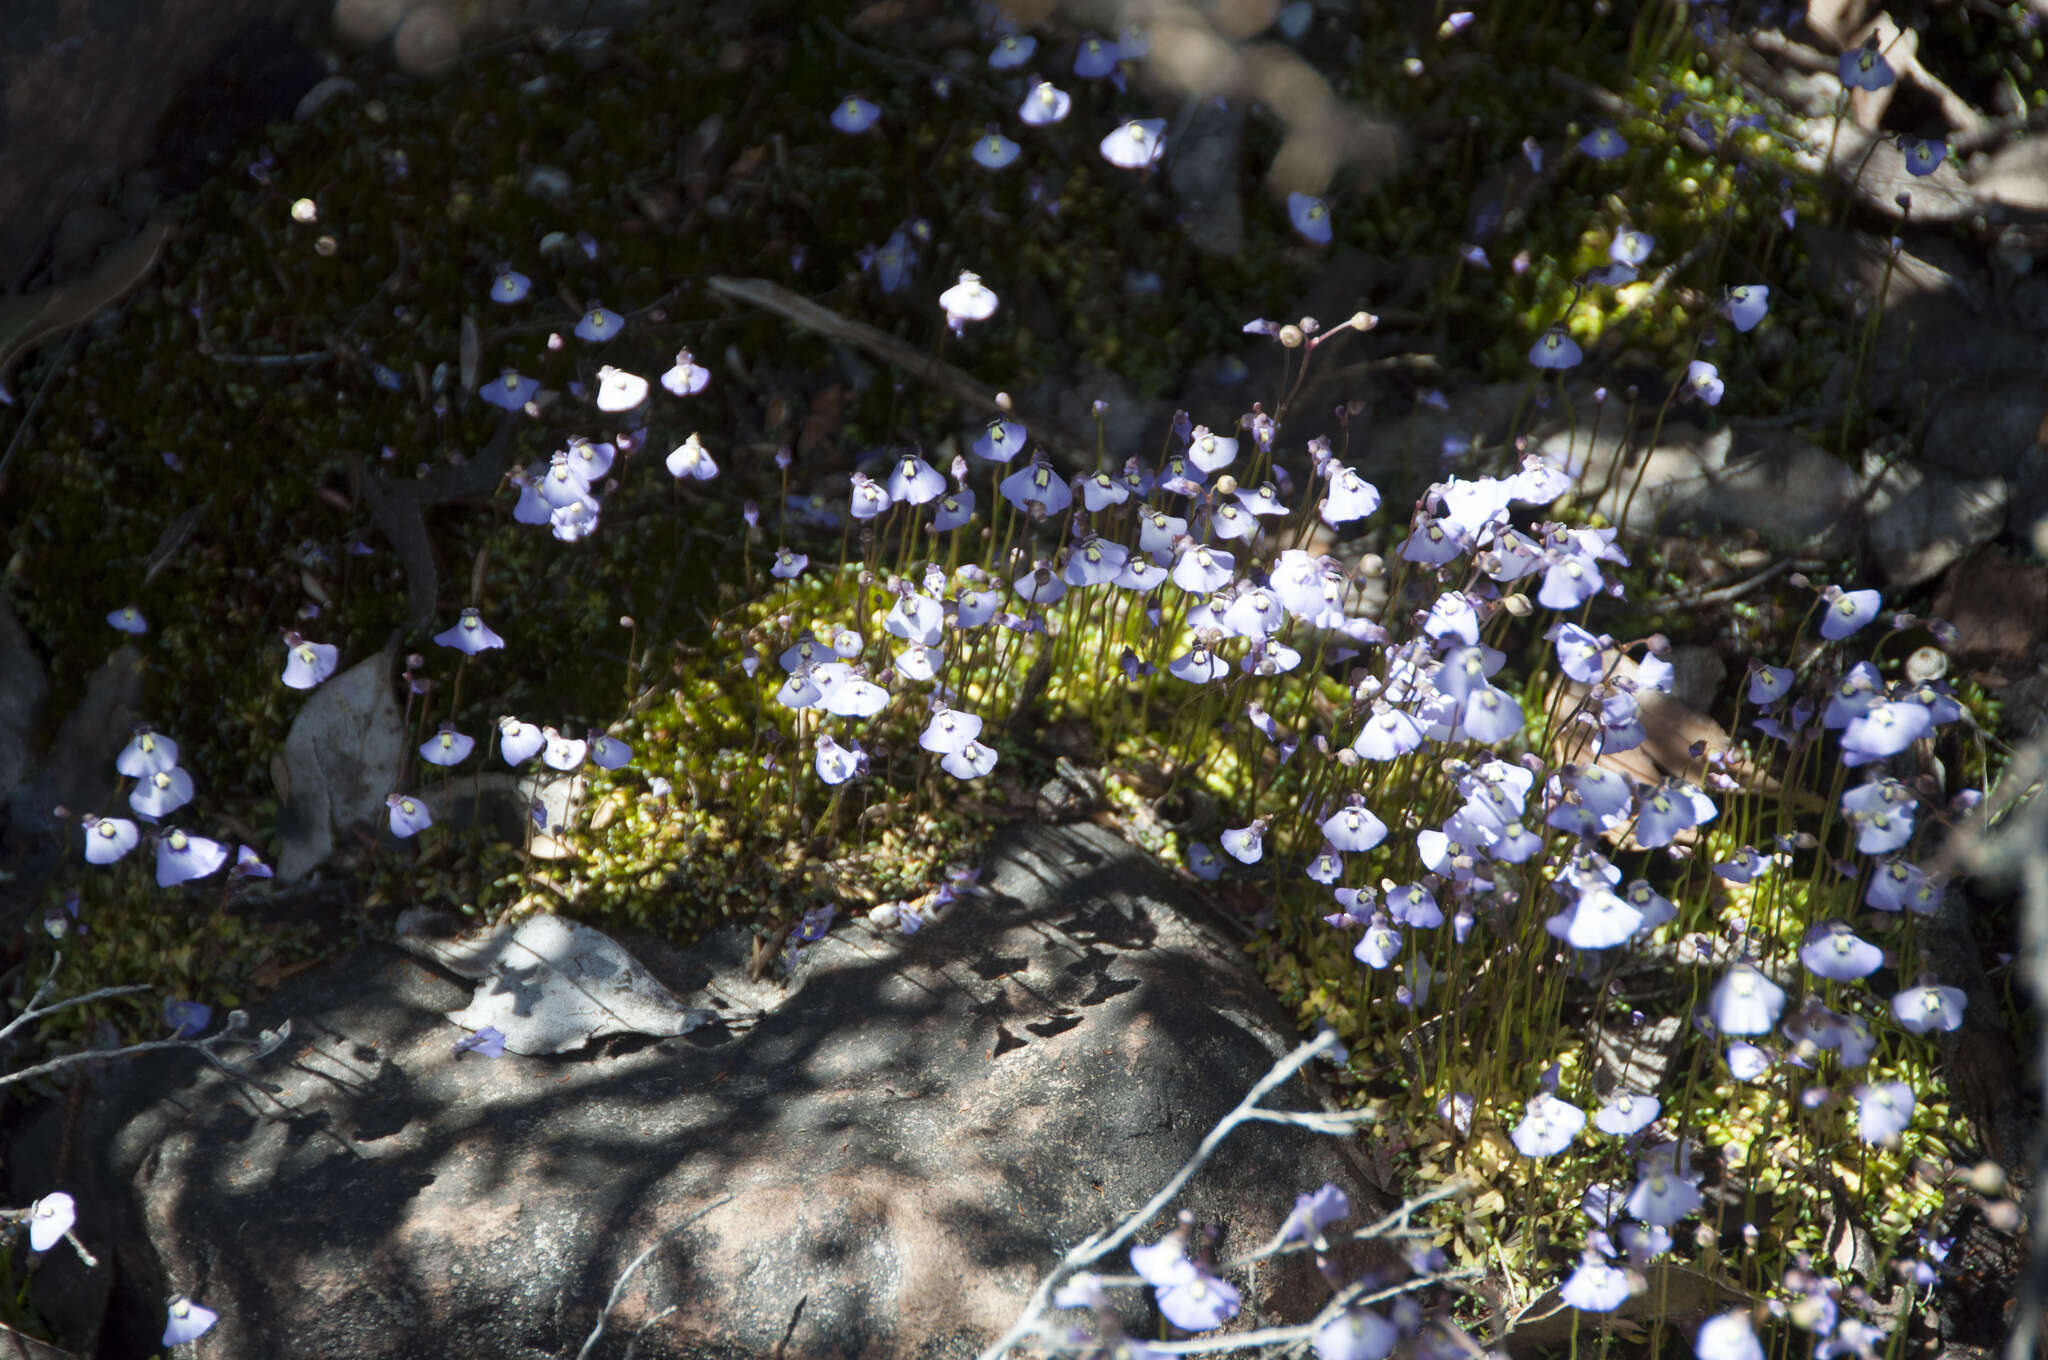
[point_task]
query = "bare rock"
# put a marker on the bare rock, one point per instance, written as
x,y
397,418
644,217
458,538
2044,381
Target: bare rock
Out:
x,y
1922,521
1791,493
2016,175
882,1160
1204,174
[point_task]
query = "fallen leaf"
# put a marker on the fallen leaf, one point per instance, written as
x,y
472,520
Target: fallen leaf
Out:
x,y
550,984
341,757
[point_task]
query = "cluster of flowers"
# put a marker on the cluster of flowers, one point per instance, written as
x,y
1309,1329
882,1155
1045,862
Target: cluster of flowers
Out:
x,y
1198,573
1224,605
161,787
1133,144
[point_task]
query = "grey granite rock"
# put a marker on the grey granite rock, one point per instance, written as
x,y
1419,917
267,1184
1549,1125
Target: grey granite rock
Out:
x,y
879,1160
1791,493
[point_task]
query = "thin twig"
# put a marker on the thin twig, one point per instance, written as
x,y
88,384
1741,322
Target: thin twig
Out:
x,y
936,373
625,1278
1247,1110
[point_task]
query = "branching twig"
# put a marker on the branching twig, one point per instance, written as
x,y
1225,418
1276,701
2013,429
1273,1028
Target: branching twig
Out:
x,y
626,1276
1099,1245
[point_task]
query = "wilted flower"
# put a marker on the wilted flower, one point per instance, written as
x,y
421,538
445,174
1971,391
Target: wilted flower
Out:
x,y
489,1041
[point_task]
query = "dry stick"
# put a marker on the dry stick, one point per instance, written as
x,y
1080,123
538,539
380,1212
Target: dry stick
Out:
x,y
29,320
1100,1245
638,1261
881,345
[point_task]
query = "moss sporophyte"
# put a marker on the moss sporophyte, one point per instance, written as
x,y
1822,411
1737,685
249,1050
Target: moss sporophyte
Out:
x,y
1655,1000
